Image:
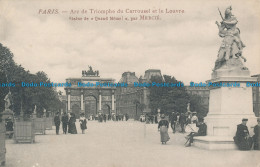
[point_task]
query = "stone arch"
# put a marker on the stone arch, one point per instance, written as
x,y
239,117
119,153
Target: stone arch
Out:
x,y
76,110
91,105
106,109
93,93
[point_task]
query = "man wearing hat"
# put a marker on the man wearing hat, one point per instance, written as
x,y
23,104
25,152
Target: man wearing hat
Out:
x,y
256,136
242,138
173,120
65,121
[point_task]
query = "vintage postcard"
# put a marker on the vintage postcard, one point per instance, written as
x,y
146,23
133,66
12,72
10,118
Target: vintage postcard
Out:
x,y
121,83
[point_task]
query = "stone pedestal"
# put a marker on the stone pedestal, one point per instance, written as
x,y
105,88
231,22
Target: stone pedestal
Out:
x,y
82,112
7,113
227,107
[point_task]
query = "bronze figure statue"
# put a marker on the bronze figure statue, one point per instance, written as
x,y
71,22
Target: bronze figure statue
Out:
x,y
90,72
231,46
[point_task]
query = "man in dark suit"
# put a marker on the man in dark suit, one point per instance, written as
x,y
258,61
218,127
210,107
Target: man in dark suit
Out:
x,y
173,120
182,121
57,123
65,120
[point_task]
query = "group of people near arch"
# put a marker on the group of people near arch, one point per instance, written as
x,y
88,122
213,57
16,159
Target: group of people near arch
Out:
x,y
68,121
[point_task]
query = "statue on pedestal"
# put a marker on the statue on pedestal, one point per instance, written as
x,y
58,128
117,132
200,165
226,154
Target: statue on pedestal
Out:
x,y
188,107
34,110
7,112
231,48
7,100
44,113
90,72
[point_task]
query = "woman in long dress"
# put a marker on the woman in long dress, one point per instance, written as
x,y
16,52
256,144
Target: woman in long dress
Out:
x,y
83,123
72,125
69,126
163,126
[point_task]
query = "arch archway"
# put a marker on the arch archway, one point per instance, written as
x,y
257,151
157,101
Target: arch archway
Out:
x,y
76,110
90,105
106,109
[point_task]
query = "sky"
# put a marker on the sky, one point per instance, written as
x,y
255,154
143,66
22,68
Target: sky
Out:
x,y
184,45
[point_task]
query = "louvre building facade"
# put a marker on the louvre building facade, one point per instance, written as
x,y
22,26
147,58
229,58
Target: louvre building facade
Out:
x,y
130,100
134,100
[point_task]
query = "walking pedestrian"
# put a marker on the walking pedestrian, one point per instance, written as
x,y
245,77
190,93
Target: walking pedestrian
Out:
x,y
182,121
163,126
83,123
105,118
72,125
173,121
156,119
57,123
126,117
65,121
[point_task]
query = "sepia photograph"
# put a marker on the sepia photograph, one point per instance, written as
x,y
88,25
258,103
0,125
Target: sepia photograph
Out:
x,y
120,83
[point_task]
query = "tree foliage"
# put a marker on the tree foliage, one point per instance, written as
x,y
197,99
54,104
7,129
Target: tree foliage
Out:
x,y
25,97
167,99
196,105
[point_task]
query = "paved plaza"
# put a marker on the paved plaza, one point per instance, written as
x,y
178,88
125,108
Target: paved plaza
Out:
x,y
120,144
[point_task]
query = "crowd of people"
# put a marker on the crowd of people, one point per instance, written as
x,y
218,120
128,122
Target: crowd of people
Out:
x,y
68,121
149,118
179,122
104,117
190,120
186,123
183,120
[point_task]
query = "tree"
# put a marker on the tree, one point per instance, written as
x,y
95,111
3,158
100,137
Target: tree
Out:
x,y
167,99
6,65
25,97
196,105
